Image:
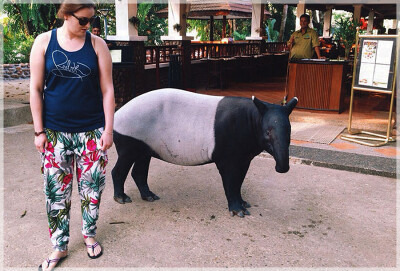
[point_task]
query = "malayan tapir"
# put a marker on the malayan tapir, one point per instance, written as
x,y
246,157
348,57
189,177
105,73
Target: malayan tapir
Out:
x,y
190,129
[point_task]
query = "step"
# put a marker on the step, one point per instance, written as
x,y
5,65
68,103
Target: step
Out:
x,y
16,113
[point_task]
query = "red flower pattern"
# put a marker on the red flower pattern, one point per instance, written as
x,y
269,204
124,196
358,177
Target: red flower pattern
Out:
x,y
79,173
67,179
90,159
91,145
52,162
50,147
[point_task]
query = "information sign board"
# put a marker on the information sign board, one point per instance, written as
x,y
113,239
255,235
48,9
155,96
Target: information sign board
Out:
x,y
375,63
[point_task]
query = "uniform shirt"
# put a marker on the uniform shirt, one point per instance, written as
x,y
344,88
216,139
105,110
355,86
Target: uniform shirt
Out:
x,y
304,43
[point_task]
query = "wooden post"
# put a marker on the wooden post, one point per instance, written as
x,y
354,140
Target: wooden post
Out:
x,y
223,26
211,28
158,84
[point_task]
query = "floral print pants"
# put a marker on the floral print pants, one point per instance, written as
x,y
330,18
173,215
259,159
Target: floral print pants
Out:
x,y
64,151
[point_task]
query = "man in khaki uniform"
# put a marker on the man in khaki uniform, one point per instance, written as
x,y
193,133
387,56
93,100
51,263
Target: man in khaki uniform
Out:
x,y
303,41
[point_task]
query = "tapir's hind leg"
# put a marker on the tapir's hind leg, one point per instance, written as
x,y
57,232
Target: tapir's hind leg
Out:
x,y
129,150
233,174
119,173
140,173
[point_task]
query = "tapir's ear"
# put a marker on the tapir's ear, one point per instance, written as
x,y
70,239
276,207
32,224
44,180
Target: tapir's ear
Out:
x,y
291,104
262,107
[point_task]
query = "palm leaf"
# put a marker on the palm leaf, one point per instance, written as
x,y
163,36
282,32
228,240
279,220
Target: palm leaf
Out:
x,y
51,190
52,136
90,135
68,145
90,221
98,181
85,204
63,225
97,133
78,144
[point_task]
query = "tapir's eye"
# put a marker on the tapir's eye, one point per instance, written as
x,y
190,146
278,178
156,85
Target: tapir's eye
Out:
x,y
268,133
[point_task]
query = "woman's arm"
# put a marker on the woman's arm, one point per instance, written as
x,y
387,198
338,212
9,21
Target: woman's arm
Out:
x,y
37,71
107,89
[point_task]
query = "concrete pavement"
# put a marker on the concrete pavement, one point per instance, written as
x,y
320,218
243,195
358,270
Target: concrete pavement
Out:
x,y
308,217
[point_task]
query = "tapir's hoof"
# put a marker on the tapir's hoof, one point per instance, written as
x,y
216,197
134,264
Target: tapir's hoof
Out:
x,y
245,204
122,200
240,213
151,198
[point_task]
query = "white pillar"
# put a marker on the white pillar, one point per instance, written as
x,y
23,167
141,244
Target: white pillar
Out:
x,y
301,9
357,13
327,21
177,13
371,15
126,31
257,16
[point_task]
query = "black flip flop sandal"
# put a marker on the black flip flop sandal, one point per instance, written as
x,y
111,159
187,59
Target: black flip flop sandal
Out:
x,y
92,247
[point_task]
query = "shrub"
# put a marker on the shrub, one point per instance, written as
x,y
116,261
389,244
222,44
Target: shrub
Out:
x,y
16,46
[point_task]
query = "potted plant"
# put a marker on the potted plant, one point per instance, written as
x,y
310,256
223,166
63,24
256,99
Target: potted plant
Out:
x,y
346,33
177,27
134,21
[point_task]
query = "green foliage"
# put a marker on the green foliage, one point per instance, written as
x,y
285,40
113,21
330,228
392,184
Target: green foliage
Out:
x,y
31,19
111,28
276,11
345,30
202,27
16,46
151,25
238,36
243,27
22,24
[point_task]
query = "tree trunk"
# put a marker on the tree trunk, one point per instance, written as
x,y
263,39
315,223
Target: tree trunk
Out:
x,y
283,23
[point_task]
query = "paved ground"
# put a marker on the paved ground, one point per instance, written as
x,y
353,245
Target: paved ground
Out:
x,y
309,217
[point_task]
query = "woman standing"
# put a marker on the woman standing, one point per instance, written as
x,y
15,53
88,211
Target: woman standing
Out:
x,y
72,104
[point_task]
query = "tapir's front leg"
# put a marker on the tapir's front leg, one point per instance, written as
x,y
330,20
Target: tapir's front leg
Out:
x,y
233,173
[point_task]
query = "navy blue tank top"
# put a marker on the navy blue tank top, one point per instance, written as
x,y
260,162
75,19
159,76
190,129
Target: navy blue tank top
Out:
x,y
72,95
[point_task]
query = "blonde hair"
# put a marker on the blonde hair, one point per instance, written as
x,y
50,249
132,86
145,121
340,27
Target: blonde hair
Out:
x,y
69,7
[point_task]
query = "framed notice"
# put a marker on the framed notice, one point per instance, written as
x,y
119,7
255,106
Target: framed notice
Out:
x,y
375,62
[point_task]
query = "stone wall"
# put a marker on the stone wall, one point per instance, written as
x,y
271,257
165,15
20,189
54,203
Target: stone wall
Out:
x,y
15,71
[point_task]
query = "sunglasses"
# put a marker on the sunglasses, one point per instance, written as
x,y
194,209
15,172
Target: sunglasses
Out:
x,y
84,20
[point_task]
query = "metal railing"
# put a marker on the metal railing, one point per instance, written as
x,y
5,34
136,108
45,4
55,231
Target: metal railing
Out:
x,y
275,47
213,50
160,53
210,50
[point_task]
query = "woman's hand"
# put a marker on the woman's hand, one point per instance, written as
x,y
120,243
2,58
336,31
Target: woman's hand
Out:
x,y
106,140
41,142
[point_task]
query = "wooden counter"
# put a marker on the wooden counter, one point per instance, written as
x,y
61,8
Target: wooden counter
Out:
x,y
317,84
